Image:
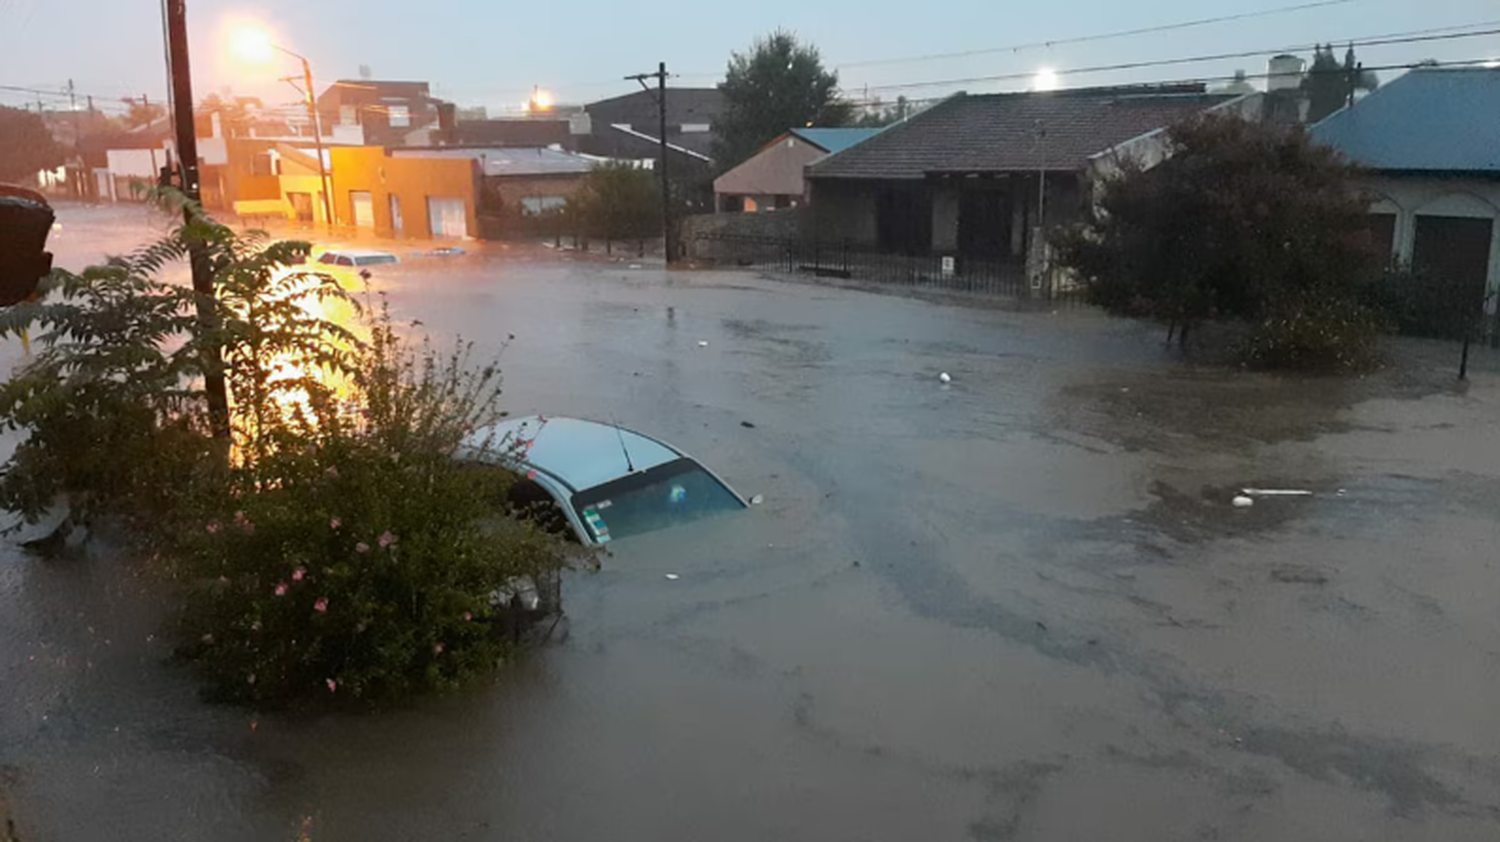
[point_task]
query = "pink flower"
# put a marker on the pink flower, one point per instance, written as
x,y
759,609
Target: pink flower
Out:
x,y
332,685
361,547
531,474
386,539
281,589
321,605
335,523
437,649
213,527
332,472
299,574
468,617
250,679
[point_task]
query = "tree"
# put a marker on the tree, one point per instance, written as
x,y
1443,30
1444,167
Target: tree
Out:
x,y
779,85
1330,85
617,201
26,146
1241,221
142,113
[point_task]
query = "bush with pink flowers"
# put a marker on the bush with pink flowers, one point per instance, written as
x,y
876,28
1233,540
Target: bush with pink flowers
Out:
x,y
330,548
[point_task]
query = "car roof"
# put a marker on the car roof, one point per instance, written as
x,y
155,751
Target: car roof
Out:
x,y
578,452
359,253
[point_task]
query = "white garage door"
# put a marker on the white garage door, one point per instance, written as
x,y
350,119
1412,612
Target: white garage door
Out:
x,y
448,217
364,208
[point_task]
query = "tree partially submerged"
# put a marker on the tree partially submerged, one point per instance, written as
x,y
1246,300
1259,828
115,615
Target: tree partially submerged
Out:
x,y
779,84
617,201
1240,222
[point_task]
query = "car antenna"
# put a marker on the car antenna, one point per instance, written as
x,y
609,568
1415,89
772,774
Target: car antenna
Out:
x,y
629,466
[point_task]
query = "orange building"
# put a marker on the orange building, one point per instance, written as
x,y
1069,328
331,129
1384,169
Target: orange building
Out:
x,y
406,197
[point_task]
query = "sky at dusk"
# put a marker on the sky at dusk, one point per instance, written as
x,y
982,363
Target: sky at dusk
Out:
x,y
481,52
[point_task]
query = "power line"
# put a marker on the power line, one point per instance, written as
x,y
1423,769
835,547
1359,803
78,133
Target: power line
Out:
x,y
1146,86
1103,36
1138,65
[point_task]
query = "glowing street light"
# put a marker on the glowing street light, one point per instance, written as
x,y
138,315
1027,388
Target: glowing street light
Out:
x,y
254,45
541,100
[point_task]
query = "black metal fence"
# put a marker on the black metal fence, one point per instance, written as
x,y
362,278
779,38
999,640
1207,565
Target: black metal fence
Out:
x,y
980,276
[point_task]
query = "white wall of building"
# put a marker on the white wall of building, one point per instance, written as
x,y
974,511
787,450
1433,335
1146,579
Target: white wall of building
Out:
x,y
1408,197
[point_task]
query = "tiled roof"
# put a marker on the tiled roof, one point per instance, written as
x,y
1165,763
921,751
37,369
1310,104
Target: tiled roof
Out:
x,y
1431,119
999,132
834,141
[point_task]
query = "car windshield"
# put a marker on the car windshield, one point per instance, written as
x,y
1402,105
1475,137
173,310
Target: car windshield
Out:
x,y
667,495
374,259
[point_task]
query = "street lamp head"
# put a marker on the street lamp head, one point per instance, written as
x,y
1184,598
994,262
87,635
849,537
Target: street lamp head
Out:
x,y
252,45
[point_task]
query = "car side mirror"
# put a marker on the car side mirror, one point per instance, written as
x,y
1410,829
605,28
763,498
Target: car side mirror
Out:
x,y
25,221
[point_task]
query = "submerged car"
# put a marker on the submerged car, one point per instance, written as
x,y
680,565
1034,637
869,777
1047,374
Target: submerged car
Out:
x,y
356,257
600,482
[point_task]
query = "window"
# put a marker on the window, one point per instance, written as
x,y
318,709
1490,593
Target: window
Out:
x,y
400,116
260,164
677,492
348,115
538,205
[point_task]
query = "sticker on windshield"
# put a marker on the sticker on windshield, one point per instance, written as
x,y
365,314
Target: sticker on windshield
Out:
x,y
596,525
677,494
604,504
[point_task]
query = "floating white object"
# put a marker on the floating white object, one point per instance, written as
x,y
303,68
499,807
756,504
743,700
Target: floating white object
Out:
x,y
1242,502
703,343
672,577
945,378
757,500
1277,492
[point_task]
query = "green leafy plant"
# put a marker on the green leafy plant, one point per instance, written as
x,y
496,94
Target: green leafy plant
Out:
x,y
334,546
1315,333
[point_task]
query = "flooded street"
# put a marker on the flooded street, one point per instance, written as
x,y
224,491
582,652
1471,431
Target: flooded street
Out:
x,y
1019,606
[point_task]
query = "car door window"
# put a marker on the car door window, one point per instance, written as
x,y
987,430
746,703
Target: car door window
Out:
x,y
529,501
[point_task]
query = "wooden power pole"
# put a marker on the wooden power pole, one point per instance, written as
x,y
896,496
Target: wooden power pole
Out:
x,y
214,386
669,236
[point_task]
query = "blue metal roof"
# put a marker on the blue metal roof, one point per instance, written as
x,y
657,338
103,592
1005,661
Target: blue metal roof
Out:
x,y
835,140
1431,119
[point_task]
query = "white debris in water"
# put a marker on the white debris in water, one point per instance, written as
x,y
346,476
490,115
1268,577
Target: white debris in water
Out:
x,y
703,343
1277,492
672,577
757,500
1242,502
945,378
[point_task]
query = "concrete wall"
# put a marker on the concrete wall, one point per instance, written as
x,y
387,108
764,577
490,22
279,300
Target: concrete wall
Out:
x,y
698,233
370,169
1408,197
841,210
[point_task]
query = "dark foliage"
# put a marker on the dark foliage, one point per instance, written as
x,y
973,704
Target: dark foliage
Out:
x,y
780,84
1241,221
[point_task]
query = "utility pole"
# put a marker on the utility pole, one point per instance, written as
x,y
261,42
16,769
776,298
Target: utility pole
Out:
x,y
187,167
72,98
325,179
669,244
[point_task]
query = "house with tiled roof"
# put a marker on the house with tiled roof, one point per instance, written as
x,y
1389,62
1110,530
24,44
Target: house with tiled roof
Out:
x,y
974,176
1428,144
772,178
